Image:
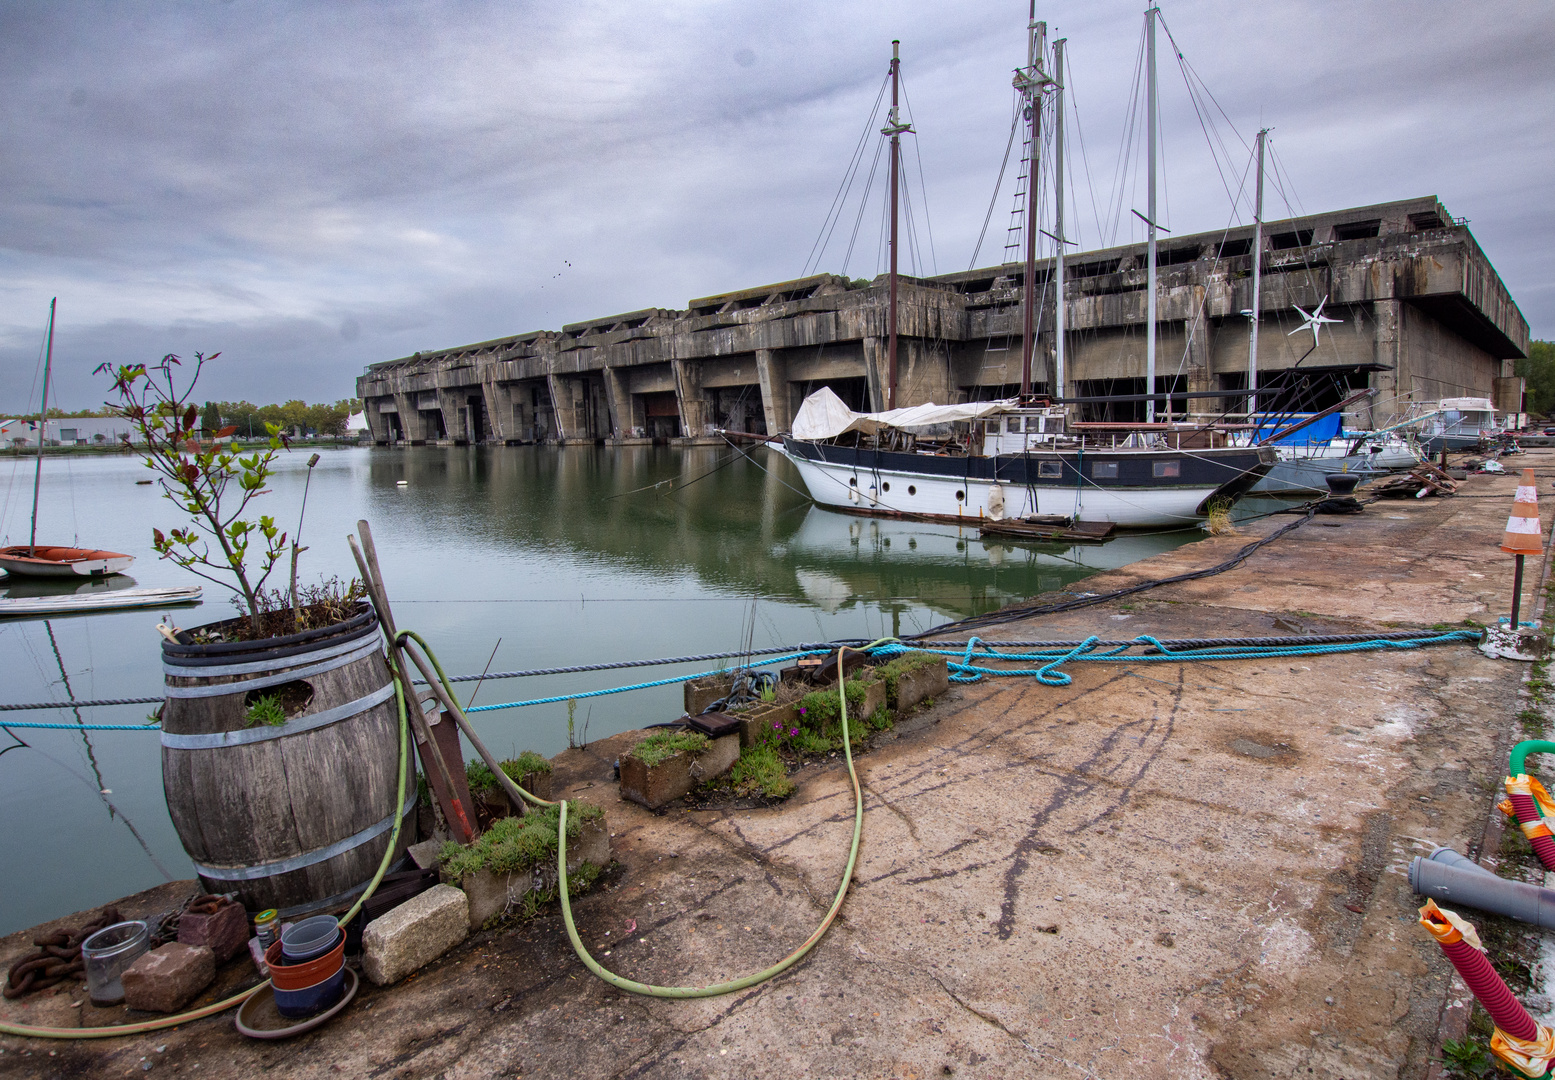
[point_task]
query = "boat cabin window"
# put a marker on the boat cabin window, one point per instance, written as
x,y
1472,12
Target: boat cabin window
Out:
x,y
1167,468
1104,470
991,427
1047,470
1014,424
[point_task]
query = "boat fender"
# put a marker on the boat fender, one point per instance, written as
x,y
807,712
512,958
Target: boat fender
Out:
x,y
996,502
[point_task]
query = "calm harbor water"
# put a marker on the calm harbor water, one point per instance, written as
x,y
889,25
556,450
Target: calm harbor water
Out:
x,y
551,556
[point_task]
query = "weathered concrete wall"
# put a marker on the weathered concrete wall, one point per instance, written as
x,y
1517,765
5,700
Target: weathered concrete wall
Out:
x,y
1423,315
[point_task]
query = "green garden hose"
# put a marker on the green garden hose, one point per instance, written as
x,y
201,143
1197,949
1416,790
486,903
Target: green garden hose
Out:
x,y
631,985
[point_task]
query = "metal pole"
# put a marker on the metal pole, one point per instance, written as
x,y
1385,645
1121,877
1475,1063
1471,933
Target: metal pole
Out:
x,y
896,64
1031,91
1059,313
1517,592
1150,222
43,419
1252,318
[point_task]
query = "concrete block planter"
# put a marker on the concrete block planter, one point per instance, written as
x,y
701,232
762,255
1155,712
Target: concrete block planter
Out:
x,y
931,679
756,723
660,778
499,889
700,693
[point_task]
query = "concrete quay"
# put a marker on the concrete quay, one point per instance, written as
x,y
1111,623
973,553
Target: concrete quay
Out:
x,y
1162,870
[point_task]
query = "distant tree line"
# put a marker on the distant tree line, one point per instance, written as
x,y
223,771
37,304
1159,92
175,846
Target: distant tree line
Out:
x,y
1539,369
250,419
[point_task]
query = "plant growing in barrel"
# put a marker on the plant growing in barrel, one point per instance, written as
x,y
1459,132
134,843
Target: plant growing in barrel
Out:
x,y
209,480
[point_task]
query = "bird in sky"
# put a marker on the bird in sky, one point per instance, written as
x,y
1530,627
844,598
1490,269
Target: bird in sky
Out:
x,y
1314,321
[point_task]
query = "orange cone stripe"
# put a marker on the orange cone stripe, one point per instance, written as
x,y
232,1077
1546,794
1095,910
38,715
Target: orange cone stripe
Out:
x,y
1524,534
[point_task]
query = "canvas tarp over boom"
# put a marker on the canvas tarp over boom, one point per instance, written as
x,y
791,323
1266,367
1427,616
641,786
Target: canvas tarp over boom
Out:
x,y
824,416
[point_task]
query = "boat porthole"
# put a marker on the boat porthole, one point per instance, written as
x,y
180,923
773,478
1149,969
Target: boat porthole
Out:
x,y
885,485
912,489
960,496
853,481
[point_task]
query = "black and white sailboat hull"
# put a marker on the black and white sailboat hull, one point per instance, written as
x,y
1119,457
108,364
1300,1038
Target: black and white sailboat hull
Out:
x,y
1130,488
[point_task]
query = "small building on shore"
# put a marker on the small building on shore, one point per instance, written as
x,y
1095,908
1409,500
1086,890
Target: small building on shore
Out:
x,y
1423,316
67,431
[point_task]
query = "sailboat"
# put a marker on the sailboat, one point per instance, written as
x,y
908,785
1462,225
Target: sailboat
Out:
x,y
50,560
1016,458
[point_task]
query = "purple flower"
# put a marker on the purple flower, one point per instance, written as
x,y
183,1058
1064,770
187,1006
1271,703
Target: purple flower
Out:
x,y
802,711
793,731
777,727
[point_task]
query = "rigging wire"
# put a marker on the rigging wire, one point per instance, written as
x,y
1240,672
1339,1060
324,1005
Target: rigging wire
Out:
x,y
850,174
923,186
1015,119
863,205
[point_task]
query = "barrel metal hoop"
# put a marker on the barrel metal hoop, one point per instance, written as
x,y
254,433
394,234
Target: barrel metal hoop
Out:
x,y
246,685
307,858
313,721
184,671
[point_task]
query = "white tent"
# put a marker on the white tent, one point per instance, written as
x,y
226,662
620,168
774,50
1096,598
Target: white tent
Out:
x,y
824,416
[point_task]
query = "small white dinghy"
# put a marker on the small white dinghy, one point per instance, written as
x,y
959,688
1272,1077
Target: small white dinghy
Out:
x,y
35,607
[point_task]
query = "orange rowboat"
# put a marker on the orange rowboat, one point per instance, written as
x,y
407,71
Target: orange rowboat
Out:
x,y
23,560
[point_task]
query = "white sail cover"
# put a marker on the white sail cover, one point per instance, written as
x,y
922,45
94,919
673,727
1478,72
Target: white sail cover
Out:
x,y
824,416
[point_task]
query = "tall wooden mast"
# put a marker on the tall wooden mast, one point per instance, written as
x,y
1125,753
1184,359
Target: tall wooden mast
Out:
x,y
1030,81
43,419
1150,222
1059,242
894,128
1252,313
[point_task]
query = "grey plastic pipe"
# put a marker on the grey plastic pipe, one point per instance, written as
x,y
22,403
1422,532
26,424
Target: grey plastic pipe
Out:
x,y
1450,877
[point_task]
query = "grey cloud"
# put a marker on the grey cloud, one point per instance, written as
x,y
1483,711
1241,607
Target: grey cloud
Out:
x,y
310,188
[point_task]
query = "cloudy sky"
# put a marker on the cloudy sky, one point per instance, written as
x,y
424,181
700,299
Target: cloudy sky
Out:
x,y
309,188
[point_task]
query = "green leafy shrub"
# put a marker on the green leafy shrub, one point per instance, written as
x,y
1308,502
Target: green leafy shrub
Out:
x,y
659,747
482,780
819,710
515,844
760,772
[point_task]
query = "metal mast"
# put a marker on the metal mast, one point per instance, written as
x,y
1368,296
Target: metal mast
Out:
x,y
1252,315
1030,82
1059,314
1150,223
894,128
43,417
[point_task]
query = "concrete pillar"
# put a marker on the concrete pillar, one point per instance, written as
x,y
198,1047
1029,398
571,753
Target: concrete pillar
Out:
x,y
1199,330
561,408
499,409
377,422
875,371
776,398
411,421
689,397
450,403
922,374
1391,385
620,404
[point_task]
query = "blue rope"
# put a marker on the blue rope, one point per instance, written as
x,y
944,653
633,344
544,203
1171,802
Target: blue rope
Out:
x,y
84,727
966,671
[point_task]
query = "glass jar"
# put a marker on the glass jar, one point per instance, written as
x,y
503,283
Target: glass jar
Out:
x,y
107,953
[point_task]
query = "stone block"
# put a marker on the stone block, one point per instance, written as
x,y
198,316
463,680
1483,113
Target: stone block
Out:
x,y
930,680
414,934
424,854
166,979
224,932
670,779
